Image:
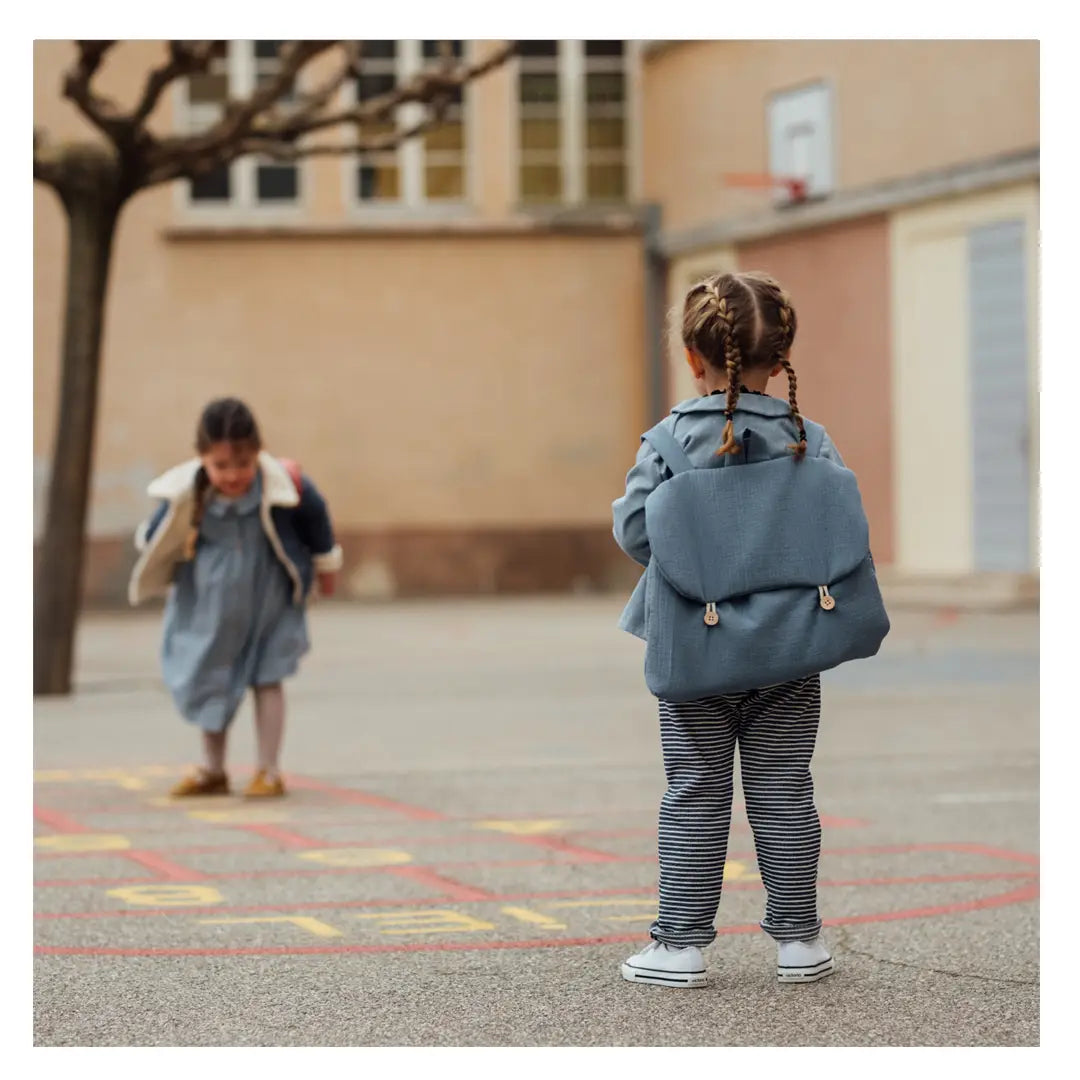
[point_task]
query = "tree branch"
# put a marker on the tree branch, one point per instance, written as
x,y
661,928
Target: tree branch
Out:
x,y
185,58
101,112
390,141
239,117
425,87
248,127
311,103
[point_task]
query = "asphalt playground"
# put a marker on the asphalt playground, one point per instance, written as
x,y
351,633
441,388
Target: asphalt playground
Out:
x,y
467,851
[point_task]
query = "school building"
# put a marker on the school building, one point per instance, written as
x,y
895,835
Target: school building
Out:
x,y
461,340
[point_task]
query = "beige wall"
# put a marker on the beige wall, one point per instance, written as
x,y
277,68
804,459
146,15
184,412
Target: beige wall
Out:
x,y
425,379
839,282
931,341
900,107
479,380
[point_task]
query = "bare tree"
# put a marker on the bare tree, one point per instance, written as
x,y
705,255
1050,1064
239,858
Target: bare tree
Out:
x,y
287,118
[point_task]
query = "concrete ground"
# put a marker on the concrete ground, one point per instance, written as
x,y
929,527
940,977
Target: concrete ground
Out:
x,y
467,851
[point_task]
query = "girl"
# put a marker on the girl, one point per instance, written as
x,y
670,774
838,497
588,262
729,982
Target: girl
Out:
x,y
737,330
235,544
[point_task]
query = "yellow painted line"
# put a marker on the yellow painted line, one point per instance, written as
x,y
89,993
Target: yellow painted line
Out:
x,y
82,842
607,902
130,774
240,815
167,895
529,916
736,871
427,922
357,856
305,922
522,828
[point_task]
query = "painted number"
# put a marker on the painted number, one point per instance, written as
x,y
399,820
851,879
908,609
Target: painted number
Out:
x,y
83,842
522,828
168,895
357,856
426,922
305,922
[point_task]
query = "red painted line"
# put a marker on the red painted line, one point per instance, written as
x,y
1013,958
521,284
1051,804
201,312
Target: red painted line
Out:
x,y
286,950
61,823
352,795
557,843
891,849
502,898
1000,853
830,822
964,848
1017,896
423,876
279,836
162,866
1028,892
929,879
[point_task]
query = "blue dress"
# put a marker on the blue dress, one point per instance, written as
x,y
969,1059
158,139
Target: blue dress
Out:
x,y
230,623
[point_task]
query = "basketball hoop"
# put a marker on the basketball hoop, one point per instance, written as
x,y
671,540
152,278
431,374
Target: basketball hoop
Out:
x,y
795,186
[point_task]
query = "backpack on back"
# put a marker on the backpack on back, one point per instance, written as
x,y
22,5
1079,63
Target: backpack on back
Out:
x,y
760,572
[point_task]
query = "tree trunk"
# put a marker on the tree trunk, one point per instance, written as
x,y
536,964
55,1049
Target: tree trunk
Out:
x,y
89,188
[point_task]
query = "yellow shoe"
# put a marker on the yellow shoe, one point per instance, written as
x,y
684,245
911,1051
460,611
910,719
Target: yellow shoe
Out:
x,y
201,782
263,788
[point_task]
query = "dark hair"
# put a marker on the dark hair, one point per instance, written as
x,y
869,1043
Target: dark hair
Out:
x,y
742,322
223,420
227,420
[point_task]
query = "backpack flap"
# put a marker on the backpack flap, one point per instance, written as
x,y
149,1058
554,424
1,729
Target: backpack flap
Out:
x,y
785,523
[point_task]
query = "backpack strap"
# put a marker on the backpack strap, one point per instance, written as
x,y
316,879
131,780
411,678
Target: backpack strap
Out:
x,y
667,446
293,469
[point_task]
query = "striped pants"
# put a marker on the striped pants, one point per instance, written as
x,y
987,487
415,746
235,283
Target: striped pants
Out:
x,y
775,729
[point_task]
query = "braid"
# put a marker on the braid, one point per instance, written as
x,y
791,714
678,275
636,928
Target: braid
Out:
x,y
800,446
202,484
733,363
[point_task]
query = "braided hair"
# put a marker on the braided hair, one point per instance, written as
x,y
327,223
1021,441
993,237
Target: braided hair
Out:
x,y
743,322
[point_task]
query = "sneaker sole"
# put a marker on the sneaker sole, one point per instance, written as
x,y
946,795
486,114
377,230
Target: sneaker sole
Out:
x,y
674,979
789,975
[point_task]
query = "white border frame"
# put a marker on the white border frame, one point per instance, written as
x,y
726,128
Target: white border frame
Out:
x,y
242,207
571,67
412,205
829,84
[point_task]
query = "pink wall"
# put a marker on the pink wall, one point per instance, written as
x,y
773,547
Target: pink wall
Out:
x,y
839,282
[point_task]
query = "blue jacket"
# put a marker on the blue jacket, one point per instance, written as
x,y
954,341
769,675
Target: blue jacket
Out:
x,y
698,425
297,524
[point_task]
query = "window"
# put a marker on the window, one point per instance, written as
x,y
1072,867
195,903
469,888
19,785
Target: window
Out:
x,y
800,137
428,170
573,121
237,69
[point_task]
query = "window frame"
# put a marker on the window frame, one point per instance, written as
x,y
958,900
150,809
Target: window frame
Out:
x,y
413,203
572,66
242,204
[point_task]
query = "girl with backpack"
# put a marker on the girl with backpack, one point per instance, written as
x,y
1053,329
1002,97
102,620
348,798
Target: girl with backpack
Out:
x,y
758,577
235,544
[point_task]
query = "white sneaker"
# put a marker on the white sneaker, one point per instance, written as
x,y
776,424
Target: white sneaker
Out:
x,y
803,961
666,965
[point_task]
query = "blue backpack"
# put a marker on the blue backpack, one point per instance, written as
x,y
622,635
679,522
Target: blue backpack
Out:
x,y
760,573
